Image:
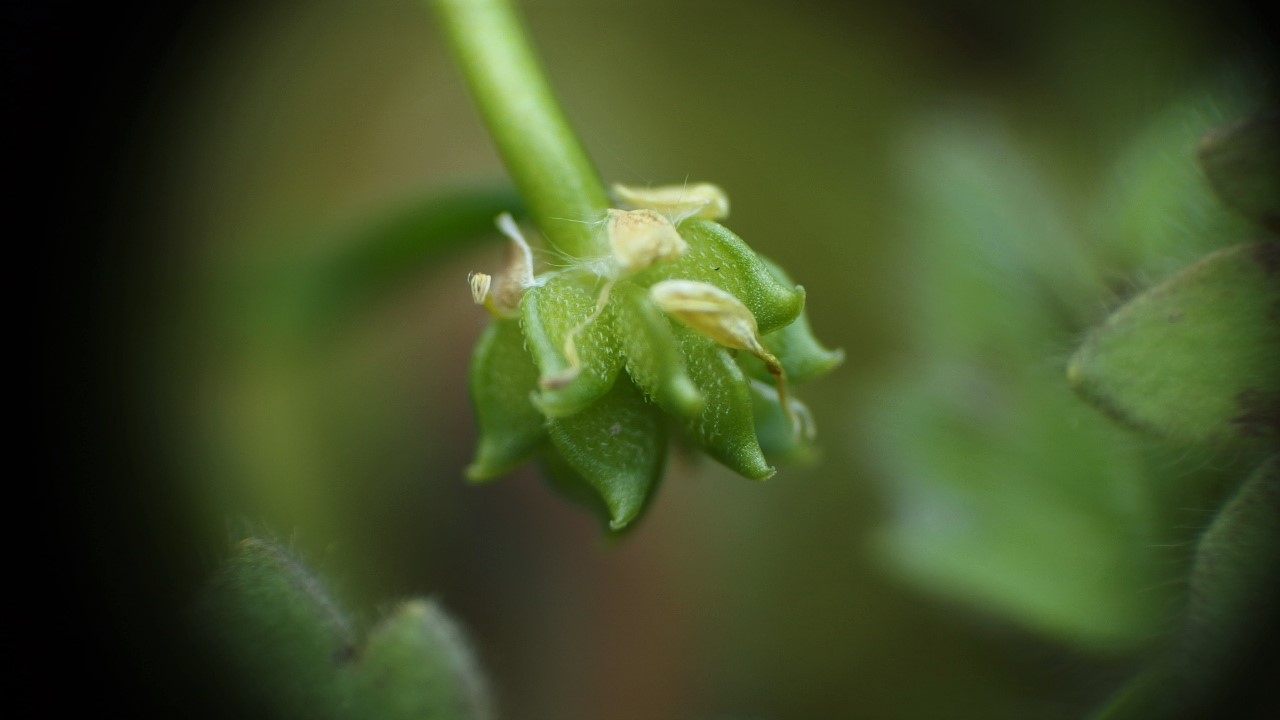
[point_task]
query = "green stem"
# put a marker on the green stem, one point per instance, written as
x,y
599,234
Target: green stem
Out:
x,y
549,166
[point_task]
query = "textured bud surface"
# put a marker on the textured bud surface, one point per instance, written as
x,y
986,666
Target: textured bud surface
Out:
x,y
610,355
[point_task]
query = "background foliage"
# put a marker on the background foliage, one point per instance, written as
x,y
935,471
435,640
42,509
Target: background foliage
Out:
x,y
964,189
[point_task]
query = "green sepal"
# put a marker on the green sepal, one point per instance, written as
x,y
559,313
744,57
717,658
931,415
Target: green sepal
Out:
x,y
417,663
502,379
719,257
725,428
572,486
652,358
549,312
619,446
801,354
569,484
778,437
1194,358
1242,163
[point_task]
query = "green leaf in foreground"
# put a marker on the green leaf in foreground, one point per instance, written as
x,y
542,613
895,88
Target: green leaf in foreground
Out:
x,y
292,652
1235,581
278,630
1242,163
1195,357
416,663
1212,668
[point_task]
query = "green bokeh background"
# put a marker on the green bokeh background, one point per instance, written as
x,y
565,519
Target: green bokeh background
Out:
x,y
962,188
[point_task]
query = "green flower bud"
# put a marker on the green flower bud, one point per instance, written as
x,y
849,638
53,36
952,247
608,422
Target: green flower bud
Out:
x,y
608,355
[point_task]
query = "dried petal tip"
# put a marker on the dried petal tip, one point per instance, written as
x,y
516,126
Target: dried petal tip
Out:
x,y
714,313
641,239
501,296
520,266
480,283
710,312
702,200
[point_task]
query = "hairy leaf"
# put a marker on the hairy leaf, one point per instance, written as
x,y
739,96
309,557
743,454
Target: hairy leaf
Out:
x,y
1194,358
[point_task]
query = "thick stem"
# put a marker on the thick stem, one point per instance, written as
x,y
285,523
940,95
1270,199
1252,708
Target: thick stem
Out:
x,y
549,166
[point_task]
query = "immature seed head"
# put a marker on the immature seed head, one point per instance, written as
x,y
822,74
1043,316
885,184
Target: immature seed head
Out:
x,y
702,200
642,238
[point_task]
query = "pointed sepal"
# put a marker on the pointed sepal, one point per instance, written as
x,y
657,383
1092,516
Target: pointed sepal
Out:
x,y
719,257
801,354
652,357
725,429
780,437
618,445
576,354
502,380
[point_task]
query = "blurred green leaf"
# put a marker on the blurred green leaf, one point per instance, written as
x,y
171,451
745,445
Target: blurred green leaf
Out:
x,y
1009,495
416,663
1148,696
1005,492
292,652
364,261
1195,357
1157,212
1235,580
276,626
1242,163
1212,668
390,247
997,262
